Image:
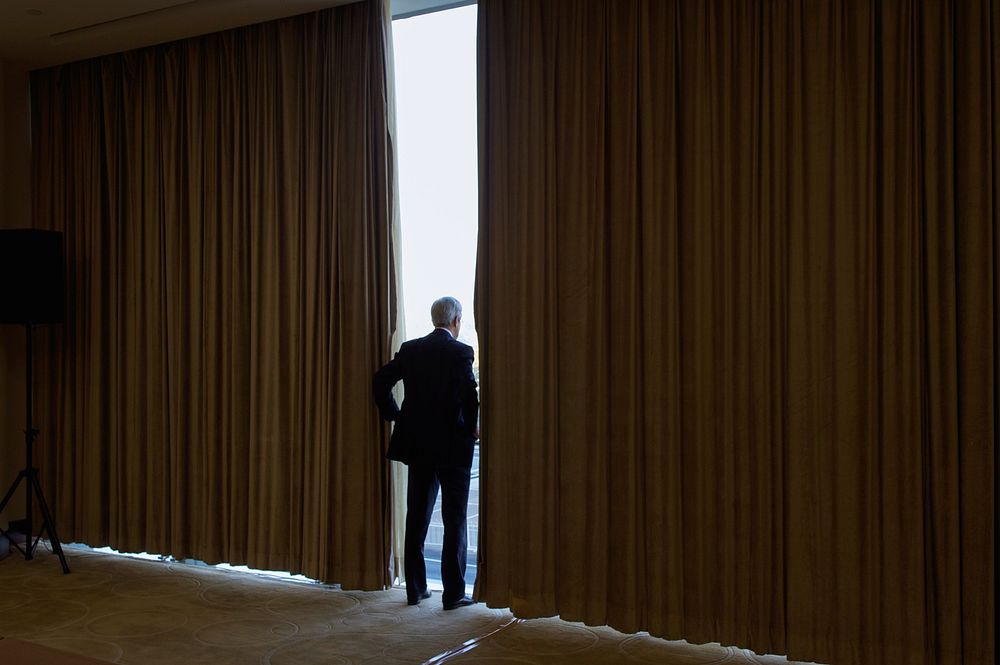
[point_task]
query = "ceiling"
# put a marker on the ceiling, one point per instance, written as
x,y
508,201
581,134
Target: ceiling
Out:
x,y
41,33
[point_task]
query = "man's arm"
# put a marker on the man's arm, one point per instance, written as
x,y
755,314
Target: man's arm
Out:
x,y
382,384
467,392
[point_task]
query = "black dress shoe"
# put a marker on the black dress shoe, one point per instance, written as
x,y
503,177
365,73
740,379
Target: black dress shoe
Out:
x,y
464,601
416,601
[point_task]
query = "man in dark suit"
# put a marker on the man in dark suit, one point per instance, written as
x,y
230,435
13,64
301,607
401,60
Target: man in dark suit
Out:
x,y
435,434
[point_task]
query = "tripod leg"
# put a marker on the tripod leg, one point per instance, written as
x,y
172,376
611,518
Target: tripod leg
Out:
x,y
13,488
3,504
48,524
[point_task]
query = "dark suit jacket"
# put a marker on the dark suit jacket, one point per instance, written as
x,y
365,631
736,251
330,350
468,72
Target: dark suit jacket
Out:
x,y
437,422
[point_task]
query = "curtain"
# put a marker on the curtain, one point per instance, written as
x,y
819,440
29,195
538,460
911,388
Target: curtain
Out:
x,y
226,203
397,470
737,304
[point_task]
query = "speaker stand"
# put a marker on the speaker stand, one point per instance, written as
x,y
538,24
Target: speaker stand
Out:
x,y
29,474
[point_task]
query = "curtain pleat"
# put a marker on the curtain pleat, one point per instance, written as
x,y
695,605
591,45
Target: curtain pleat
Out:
x,y
226,202
737,305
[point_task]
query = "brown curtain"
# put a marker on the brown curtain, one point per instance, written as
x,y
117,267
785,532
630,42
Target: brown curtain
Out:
x,y
226,207
737,306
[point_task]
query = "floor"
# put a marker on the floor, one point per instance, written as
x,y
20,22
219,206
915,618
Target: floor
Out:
x,y
132,611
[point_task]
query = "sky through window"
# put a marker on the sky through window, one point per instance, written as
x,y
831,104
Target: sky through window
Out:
x,y
435,72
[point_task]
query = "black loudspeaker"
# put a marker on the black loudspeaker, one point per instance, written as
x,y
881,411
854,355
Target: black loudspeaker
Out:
x,y
32,291
32,276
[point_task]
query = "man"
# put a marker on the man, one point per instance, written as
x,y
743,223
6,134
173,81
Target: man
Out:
x,y
435,433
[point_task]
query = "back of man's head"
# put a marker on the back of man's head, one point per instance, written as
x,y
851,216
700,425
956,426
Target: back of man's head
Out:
x,y
444,311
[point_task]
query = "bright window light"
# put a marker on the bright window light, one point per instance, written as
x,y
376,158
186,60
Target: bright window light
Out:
x,y
435,71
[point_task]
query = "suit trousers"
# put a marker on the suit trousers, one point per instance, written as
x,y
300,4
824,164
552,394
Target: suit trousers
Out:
x,y
423,482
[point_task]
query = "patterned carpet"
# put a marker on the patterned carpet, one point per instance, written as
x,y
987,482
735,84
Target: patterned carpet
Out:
x,y
137,612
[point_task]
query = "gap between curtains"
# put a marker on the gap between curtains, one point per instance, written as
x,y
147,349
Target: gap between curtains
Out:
x,y
226,202
737,304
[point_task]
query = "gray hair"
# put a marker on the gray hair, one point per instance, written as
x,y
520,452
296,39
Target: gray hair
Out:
x,y
444,311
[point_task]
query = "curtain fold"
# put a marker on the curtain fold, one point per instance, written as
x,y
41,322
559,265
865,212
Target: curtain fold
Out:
x,y
397,490
737,305
226,202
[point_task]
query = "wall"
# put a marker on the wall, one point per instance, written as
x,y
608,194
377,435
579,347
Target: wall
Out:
x,y
15,212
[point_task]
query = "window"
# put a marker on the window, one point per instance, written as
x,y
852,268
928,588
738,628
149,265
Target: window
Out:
x,y
435,72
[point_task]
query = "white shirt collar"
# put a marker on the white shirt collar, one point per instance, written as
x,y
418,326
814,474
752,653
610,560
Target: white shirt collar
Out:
x,y
444,329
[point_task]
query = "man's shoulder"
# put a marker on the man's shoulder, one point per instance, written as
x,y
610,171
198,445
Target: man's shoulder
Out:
x,y
419,345
462,349
405,348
